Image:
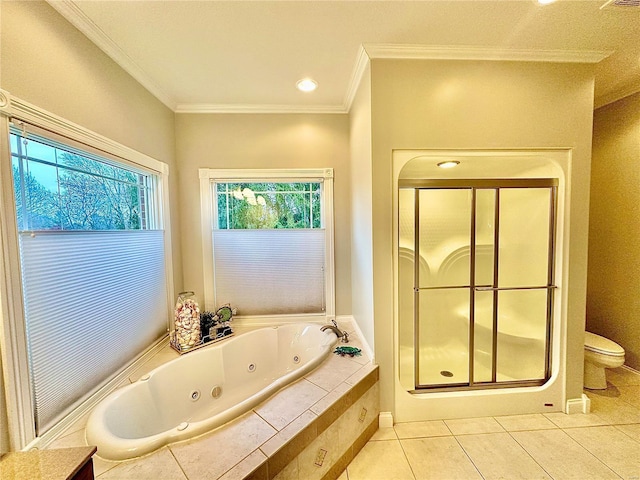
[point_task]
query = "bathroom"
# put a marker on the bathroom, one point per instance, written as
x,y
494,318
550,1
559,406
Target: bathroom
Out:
x,y
359,147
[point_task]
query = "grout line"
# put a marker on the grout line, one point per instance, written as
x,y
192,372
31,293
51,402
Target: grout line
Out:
x,y
628,435
269,423
467,455
407,459
107,470
178,463
530,455
593,454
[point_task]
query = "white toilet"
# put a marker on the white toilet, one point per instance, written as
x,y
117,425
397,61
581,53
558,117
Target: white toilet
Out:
x,y
599,353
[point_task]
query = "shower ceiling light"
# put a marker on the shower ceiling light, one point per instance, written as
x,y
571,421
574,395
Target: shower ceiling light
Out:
x,y
449,164
307,85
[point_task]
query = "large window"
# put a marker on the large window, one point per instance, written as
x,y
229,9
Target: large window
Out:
x,y
92,257
269,241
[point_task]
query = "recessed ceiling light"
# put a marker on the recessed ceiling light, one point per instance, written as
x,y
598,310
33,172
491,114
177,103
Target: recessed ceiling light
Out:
x,y
449,164
307,85
545,2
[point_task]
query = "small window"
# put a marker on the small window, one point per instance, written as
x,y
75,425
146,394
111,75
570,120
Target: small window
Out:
x,y
268,205
269,241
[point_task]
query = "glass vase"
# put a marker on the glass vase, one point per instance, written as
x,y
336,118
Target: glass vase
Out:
x,y
187,321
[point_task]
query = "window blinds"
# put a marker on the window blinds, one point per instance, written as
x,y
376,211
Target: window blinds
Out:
x,y
93,301
264,272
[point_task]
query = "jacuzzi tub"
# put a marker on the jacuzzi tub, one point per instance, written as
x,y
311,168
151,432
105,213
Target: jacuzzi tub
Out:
x,y
204,389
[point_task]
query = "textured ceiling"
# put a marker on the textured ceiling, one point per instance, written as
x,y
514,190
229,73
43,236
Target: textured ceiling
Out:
x,y
247,55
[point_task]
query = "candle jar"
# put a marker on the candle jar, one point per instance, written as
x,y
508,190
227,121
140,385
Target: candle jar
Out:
x,y
186,322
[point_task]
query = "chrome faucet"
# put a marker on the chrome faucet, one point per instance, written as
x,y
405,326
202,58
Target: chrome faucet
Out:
x,y
344,336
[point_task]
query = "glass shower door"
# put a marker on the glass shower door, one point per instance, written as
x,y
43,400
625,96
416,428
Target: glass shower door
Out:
x,y
442,304
482,294
524,283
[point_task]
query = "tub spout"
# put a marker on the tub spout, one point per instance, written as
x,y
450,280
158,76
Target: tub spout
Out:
x,y
343,336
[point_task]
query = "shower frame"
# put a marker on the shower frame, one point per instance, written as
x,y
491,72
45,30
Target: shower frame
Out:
x,y
474,185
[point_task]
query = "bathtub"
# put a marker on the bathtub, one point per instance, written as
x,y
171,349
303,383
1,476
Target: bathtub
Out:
x,y
204,389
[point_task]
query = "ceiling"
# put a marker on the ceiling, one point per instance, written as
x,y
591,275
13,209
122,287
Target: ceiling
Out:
x,y
246,56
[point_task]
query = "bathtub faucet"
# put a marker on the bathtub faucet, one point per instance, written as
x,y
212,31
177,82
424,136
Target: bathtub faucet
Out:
x,y
344,336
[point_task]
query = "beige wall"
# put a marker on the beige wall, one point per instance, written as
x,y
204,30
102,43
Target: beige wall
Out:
x,y
4,422
49,63
613,300
45,61
479,105
361,214
263,141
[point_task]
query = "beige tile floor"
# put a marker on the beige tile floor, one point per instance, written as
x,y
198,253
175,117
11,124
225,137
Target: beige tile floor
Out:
x,y
600,445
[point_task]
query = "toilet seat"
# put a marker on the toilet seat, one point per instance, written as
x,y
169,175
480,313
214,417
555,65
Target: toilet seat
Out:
x,y
597,344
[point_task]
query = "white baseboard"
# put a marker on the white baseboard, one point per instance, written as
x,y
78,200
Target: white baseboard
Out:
x,y
385,420
578,405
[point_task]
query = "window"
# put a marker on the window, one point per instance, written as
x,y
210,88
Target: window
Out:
x,y
268,245
92,257
60,188
268,205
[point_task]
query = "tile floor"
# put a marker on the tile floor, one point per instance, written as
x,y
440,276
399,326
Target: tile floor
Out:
x,y
600,445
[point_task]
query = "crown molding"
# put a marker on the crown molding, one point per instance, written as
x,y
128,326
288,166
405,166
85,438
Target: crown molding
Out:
x,y
70,11
249,108
609,98
362,61
446,52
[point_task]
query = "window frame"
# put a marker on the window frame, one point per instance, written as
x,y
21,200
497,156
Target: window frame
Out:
x,y
13,338
208,177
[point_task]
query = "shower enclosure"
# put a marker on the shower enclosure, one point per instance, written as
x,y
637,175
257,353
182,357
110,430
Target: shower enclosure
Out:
x,y
475,282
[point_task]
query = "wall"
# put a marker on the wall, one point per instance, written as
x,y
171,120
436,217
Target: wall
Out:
x,y
421,104
263,141
361,214
613,304
4,422
49,63
44,60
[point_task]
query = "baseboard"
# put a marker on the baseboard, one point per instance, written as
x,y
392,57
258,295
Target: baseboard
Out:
x,y
385,420
632,370
365,346
578,405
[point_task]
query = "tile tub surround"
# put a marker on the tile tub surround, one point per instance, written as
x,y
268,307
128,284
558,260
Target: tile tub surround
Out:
x,y
273,439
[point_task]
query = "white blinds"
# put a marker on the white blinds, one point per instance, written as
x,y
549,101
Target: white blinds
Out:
x,y
263,272
93,301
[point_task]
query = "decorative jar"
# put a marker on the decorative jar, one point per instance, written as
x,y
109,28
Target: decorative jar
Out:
x,y
186,322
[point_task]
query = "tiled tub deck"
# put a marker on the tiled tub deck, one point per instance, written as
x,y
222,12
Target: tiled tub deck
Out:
x,y
309,430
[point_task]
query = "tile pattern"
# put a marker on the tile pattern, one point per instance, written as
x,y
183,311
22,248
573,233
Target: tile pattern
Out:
x,y
600,445
334,408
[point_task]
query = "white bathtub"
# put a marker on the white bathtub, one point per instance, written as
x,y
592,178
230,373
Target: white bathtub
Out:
x,y
204,389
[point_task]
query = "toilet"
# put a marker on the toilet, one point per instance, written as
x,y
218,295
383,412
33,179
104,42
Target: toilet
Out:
x,y
599,353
